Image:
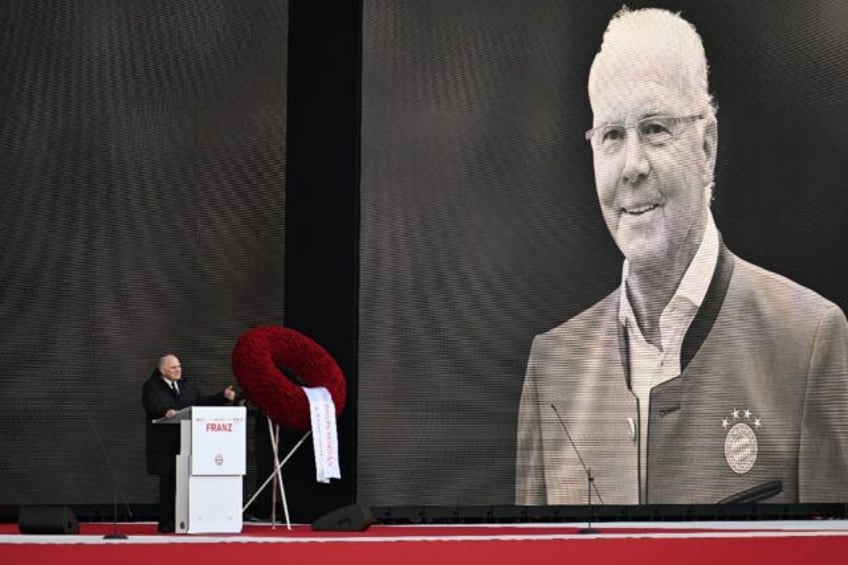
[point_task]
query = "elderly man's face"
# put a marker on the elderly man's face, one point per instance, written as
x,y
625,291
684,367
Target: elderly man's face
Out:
x,y
653,197
170,368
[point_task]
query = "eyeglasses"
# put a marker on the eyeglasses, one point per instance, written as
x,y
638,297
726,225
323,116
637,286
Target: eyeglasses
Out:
x,y
656,131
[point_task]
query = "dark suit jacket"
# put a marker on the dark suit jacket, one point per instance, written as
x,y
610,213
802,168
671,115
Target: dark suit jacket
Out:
x,y
162,441
762,397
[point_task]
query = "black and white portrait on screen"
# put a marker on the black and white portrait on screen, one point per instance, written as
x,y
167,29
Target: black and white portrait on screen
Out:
x,y
702,378
483,226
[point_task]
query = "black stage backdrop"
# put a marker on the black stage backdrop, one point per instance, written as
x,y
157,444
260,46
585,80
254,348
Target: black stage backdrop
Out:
x,y
142,174
480,225
142,162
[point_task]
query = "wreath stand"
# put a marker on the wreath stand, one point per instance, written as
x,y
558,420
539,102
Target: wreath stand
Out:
x,y
276,476
272,363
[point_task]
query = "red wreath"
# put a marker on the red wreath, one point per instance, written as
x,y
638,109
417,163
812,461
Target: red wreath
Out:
x,y
266,362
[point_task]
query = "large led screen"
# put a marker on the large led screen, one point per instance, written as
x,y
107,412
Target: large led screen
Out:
x,y
499,359
142,208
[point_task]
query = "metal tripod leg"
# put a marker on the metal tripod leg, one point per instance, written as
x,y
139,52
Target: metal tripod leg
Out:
x,y
277,475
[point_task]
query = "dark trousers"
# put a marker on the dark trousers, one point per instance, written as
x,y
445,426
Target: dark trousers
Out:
x,y
167,499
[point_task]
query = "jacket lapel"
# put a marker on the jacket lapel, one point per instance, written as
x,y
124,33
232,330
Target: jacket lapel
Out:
x,y
708,312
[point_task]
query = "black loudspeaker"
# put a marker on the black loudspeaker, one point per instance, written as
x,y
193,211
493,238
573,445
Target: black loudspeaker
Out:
x,y
353,518
47,520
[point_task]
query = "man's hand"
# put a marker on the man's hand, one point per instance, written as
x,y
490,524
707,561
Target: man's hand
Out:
x,y
170,413
229,393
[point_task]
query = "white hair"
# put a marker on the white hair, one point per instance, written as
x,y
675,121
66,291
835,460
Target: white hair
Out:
x,y
656,44
164,358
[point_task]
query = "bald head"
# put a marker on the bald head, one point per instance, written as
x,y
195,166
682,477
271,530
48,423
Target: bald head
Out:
x,y
656,47
170,367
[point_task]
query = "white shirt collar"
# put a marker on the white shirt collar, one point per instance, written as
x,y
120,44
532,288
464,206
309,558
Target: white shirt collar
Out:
x,y
696,279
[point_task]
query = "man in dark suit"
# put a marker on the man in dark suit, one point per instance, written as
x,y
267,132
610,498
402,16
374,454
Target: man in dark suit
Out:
x,y
163,394
702,378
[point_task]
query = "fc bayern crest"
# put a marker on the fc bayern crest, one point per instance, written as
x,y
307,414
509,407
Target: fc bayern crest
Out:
x,y
740,443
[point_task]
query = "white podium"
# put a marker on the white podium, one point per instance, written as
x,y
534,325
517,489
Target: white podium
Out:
x,y
210,468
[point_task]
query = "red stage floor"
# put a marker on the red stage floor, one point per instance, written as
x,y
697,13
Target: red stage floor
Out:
x,y
773,542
